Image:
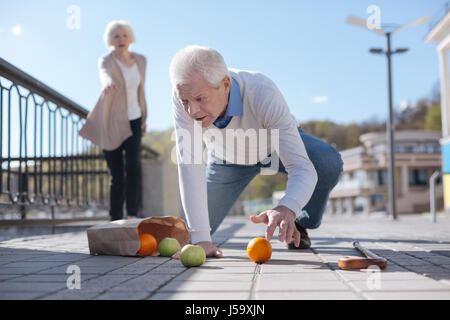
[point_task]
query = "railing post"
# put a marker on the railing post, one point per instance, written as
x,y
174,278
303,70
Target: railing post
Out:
x,y
53,218
433,179
23,189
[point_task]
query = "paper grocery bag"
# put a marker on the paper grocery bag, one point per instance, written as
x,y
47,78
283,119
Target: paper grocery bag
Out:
x,y
121,237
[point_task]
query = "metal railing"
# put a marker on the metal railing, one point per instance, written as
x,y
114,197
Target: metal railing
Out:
x,y
43,161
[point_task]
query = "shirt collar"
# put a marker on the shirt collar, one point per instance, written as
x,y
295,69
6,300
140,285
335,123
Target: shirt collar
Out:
x,y
235,107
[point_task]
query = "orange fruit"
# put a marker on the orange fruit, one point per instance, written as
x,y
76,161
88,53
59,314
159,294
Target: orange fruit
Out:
x,y
259,250
148,244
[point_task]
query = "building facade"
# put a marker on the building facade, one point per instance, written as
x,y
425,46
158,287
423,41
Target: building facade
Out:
x,y
363,183
440,34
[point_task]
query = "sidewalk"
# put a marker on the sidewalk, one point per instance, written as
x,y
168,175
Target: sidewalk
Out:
x,y
417,250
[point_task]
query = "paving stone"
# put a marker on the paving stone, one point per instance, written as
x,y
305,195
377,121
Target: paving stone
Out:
x,y
408,295
201,295
103,283
65,257
18,270
299,276
221,270
12,286
4,277
74,294
148,283
84,270
34,264
307,295
224,264
127,295
293,268
173,269
48,278
209,276
314,270
438,275
19,295
365,273
213,286
152,260
272,284
402,285
133,269
427,269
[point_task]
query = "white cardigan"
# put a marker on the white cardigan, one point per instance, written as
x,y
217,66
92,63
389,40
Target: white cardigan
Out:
x,y
263,108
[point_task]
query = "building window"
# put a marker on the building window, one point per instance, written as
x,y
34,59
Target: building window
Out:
x,y
431,148
376,199
381,177
418,177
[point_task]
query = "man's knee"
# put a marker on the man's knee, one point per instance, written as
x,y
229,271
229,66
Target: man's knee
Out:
x,y
329,168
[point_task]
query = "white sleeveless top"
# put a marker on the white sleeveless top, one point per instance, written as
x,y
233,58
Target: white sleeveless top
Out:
x,y
132,79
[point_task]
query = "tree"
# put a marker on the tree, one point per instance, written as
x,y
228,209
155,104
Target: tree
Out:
x,y
433,118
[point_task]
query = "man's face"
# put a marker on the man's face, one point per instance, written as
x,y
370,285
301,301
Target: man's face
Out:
x,y
203,102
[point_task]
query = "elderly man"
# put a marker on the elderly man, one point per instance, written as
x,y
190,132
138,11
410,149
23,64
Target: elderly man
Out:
x,y
226,108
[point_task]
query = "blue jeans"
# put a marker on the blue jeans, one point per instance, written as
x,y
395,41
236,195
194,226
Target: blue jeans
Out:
x,y
226,181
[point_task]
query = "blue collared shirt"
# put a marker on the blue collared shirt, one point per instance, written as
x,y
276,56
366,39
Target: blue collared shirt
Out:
x,y
234,107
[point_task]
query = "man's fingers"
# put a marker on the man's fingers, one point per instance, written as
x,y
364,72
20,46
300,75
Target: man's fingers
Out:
x,y
260,218
289,233
296,237
272,224
177,255
282,230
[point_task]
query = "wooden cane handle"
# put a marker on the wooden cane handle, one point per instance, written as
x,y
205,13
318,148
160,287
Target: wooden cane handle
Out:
x,y
348,263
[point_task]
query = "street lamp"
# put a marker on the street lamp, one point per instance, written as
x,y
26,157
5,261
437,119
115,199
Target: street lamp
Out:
x,y
390,124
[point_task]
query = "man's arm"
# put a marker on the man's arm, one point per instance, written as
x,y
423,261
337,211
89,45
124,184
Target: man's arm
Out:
x,y
192,175
274,113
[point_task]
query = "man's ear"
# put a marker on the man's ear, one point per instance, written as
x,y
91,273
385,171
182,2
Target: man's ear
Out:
x,y
227,82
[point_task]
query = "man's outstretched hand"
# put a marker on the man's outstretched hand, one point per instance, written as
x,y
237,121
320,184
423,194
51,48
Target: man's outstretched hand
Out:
x,y
283,218
210,250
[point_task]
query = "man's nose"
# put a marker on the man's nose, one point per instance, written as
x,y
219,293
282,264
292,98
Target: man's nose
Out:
x,y
193,109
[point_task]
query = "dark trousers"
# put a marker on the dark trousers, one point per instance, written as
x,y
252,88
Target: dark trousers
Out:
x,y
129,185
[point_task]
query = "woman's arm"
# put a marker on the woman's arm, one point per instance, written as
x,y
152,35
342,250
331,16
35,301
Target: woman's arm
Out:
x,y
105,76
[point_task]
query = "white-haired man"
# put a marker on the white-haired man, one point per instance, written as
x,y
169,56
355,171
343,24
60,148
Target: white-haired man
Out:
x,y
225,107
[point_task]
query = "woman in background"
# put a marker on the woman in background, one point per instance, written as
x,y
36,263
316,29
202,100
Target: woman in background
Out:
x,y
118,121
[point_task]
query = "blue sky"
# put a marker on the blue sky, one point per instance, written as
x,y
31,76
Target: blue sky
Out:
x,y
321,64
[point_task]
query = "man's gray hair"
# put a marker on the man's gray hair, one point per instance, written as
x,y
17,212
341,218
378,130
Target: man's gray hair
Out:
x,y
204,60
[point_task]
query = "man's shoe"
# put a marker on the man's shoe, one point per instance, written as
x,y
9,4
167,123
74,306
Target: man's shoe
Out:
x,y
305,242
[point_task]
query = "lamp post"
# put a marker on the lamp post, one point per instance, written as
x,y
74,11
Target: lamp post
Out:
x,y
390,123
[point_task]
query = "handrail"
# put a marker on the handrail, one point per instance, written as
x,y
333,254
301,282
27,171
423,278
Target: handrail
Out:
x,y
43,160
18,76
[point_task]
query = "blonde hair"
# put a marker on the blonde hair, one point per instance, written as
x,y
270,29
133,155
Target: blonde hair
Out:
x,y
207,61
113,26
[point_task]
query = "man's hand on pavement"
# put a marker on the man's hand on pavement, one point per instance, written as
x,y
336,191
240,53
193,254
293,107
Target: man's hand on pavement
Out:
x,y
210,250
283,218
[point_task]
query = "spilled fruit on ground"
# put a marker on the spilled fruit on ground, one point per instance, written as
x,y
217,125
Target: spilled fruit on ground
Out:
x,y
259,250
192,255
148,244
168,247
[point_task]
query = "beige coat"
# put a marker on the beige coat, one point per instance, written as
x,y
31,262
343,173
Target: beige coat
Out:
x,y
107,125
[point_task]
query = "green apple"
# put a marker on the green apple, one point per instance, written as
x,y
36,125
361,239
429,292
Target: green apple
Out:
x,y
168,247
192,255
